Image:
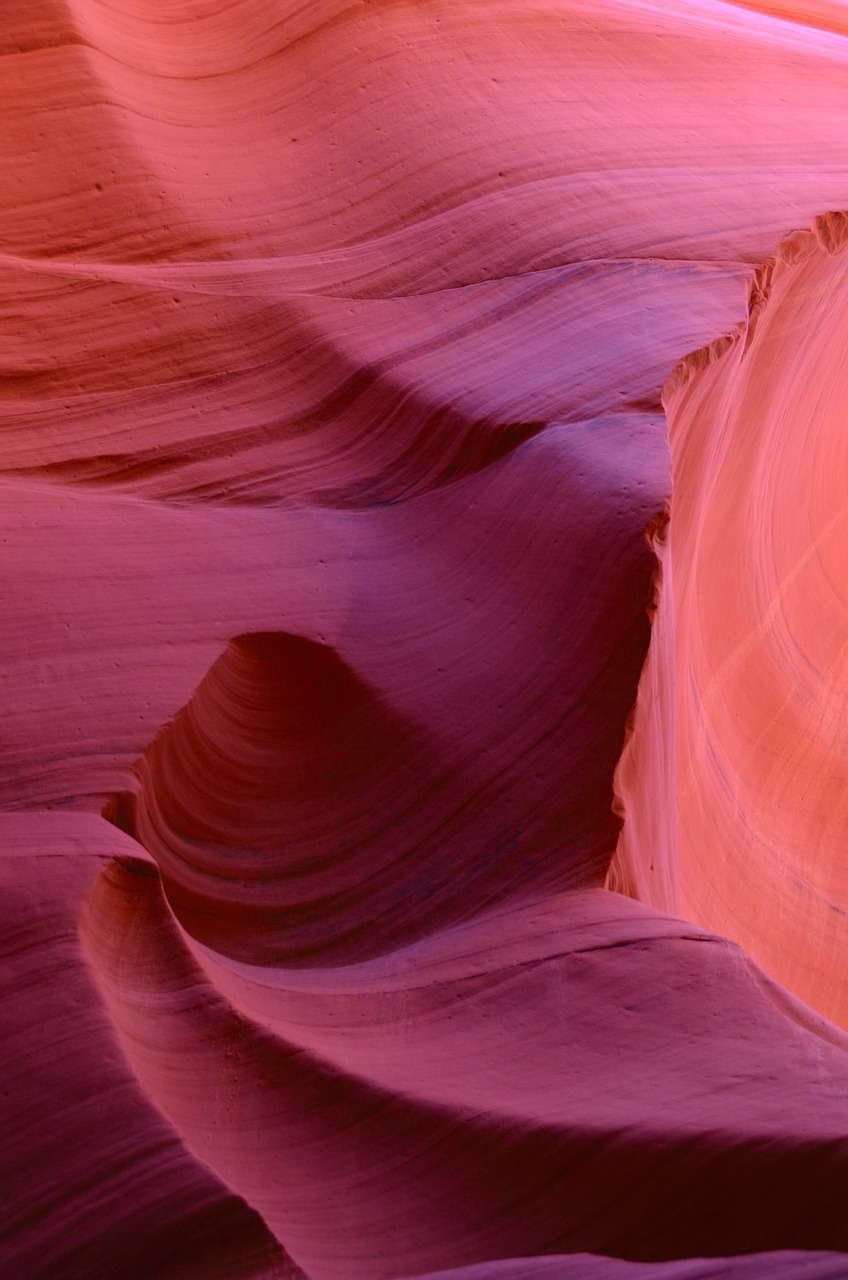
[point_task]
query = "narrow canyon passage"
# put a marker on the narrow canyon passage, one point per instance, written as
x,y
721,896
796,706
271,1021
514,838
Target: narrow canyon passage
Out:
x,y
423,785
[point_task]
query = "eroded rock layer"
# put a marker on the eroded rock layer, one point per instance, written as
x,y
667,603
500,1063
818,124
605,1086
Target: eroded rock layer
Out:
x,y
754,628
333,488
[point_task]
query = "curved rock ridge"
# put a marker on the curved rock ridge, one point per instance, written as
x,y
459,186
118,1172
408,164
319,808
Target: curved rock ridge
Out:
x,y
239,130
333,491
753,628
231,383
508,664
320,800
95,1182
179,200
378,1115
781,1266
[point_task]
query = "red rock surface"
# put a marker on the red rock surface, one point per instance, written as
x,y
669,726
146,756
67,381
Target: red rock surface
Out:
x,y
753,627
334,479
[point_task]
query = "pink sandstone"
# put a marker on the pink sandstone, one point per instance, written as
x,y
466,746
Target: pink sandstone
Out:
x,y
334,485
750,749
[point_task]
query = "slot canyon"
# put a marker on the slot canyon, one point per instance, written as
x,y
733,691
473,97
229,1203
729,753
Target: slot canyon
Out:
x,y
424,640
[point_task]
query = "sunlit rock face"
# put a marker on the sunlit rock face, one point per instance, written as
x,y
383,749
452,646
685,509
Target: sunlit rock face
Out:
x,y
357,926
753,625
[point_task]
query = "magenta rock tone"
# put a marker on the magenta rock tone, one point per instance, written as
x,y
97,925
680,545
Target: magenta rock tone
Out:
x,y
752,737
423,633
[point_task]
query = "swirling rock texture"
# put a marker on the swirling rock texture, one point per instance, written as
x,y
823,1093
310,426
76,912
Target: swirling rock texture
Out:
x,y
754,626
335,491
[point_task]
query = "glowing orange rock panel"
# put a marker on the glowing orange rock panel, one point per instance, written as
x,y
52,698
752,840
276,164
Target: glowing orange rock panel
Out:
x,y
754,625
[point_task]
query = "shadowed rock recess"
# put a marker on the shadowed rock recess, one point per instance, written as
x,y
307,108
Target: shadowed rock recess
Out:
x,y
424,787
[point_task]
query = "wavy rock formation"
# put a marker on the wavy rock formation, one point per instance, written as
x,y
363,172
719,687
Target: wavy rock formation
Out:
x,y
95,1180
335,485
752,740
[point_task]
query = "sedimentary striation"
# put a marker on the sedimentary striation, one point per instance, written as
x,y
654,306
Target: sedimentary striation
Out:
x,y
373,908
752,624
